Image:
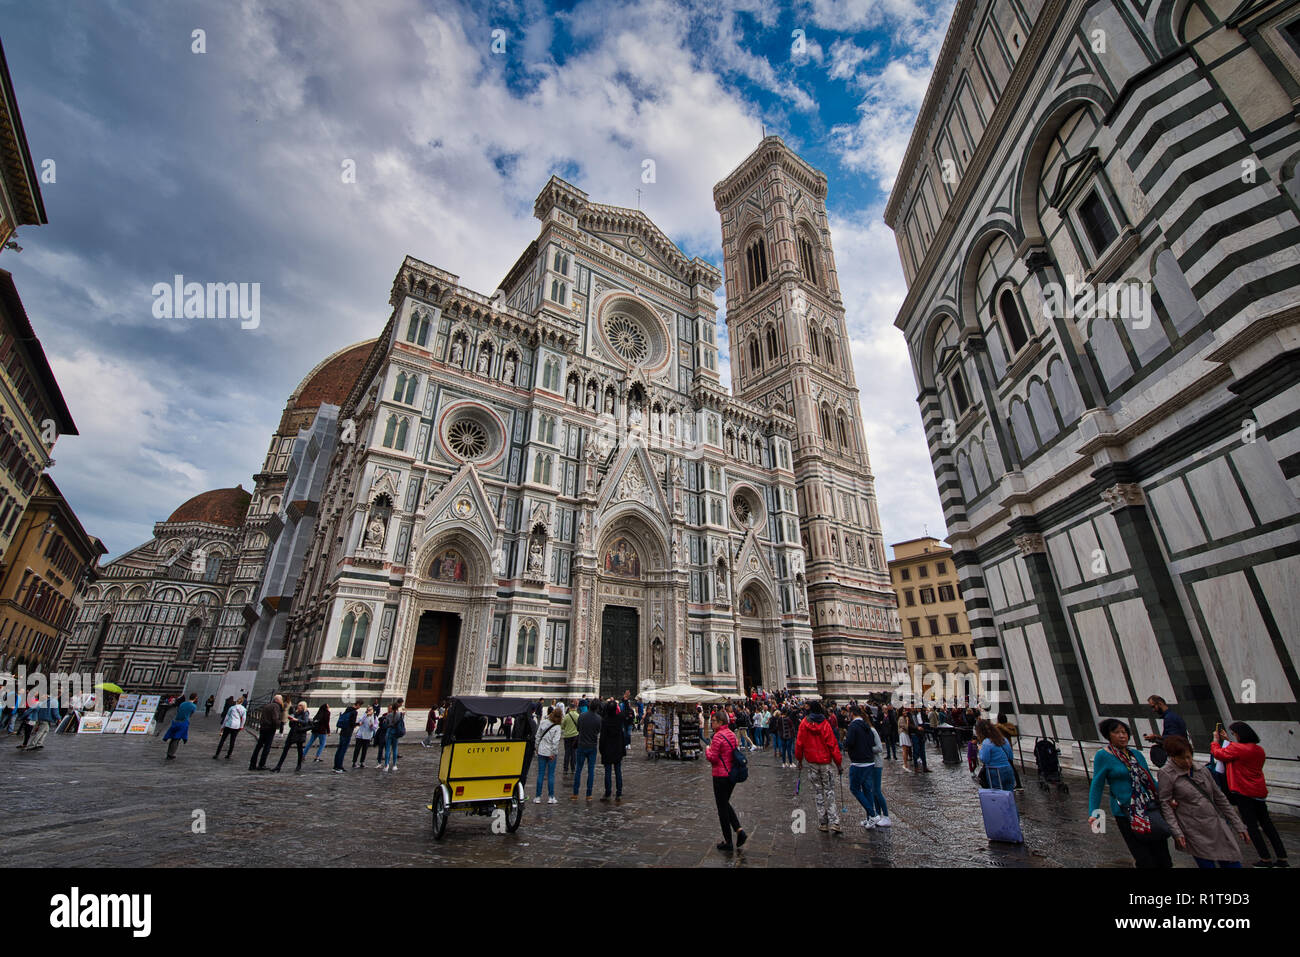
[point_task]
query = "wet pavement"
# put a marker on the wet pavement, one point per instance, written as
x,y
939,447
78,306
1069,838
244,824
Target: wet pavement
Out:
x,y
113,800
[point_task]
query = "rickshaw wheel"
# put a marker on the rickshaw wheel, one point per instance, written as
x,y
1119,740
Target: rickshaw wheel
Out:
x,y
440,814
515,809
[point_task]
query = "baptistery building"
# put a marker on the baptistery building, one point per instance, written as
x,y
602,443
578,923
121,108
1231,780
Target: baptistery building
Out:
x,y
1097,219
547,490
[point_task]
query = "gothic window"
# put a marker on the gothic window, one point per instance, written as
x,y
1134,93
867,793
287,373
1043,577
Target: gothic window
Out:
x,y
402,426
551,375
756,263
807,263
755,355
542,470
211,568
359,635
814,344
827,434
345,636
843,430
559,291
771,343
713,431
1013,320
526,646
417,330
390,432
830,349
400,388
805,660
191,639
561,263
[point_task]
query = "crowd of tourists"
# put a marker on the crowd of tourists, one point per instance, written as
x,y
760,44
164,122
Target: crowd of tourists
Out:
x,y
1208,810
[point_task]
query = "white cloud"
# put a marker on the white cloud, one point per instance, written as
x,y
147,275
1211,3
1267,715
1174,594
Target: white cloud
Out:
x,y
873,288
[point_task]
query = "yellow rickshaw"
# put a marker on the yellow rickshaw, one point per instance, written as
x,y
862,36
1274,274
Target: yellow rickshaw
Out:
x,y
478,773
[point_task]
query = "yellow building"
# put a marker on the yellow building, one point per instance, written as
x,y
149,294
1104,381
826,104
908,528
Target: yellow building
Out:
x,y
50,558
20,194
936,634
32,412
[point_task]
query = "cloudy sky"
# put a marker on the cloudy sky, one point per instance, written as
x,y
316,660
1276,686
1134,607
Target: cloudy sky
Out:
x,y
227,165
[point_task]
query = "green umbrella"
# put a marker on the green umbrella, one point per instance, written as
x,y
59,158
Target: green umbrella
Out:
x,y
109,686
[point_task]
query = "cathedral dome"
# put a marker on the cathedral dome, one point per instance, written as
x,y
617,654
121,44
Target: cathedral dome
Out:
x,y
331,381
221,506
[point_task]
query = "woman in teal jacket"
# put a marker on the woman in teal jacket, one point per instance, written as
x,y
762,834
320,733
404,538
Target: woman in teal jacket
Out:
x,y
1124,770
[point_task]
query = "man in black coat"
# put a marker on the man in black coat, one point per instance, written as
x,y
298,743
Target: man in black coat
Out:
x,y
589,725
271,719
611,746
347,722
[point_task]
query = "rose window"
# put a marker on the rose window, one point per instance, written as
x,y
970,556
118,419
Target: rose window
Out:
x,y
628,338
742,510
467,438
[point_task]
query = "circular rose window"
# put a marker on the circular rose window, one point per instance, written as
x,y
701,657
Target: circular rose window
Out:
x,y
627,337
467,438
634,333
471,434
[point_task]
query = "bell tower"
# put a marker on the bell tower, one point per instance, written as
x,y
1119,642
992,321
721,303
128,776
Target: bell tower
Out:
x,y
790,349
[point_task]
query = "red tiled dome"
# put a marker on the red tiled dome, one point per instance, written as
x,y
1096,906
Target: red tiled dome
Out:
x,y
331,381
221,506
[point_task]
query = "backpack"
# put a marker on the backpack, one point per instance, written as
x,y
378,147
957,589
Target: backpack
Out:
x,y
739,766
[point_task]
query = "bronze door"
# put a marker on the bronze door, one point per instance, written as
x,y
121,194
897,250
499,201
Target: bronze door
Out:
x,y
618,651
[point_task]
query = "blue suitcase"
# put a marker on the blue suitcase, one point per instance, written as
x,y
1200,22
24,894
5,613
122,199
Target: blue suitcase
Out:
x,y
1001,817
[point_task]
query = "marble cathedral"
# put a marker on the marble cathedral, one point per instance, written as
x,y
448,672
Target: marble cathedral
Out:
x,y
548,491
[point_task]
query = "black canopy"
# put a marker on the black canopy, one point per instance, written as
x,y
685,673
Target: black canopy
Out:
x,y
467,717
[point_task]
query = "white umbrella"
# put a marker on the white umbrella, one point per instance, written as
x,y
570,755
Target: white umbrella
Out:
x,y
680,694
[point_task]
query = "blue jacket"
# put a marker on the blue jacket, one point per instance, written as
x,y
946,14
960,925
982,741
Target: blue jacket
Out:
x,y
1108,769
347,721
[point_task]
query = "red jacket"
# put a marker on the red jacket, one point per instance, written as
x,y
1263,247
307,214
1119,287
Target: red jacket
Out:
x,y
719,752
815,742
1244,765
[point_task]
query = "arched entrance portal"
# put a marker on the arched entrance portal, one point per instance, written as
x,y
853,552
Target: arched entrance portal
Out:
x,y
433,662
634,595
446,604
756,630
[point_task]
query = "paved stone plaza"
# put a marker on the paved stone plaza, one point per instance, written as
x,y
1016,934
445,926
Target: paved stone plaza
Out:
x,y
114,801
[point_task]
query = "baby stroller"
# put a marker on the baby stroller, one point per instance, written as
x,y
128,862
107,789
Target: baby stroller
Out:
x,y
1048,758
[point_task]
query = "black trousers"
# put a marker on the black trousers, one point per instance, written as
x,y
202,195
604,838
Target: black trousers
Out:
x,y
570,753
232,733
285,753
1146,853
262,750
1254,814
359,750
722,788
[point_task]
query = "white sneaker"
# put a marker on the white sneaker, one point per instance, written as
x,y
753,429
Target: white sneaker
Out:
x,y
552,801
884,822
869,823
537,800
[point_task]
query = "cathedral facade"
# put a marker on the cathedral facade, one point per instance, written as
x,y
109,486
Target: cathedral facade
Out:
x,y
548,492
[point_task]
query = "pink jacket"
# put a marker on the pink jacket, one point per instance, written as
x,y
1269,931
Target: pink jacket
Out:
x,y
719,752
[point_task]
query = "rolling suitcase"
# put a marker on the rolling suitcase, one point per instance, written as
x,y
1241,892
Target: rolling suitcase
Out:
x,y
1001,817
